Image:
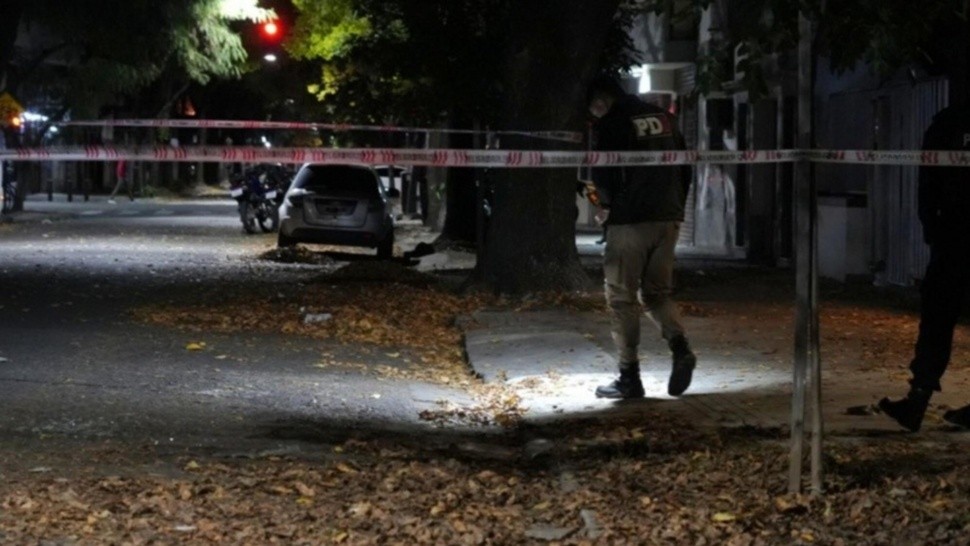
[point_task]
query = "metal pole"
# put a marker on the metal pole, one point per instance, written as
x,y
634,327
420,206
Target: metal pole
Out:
x,y
801,334
805,265
815,356
815,380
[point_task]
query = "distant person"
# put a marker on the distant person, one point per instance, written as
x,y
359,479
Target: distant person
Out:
x,y
586,190
419,177
643,208
121,175
944,199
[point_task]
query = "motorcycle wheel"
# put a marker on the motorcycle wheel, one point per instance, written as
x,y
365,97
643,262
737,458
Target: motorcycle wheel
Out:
x,y
269,217
248,217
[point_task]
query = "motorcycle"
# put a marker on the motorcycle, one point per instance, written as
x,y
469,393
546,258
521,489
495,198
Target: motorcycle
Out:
x,y
278,177
258,197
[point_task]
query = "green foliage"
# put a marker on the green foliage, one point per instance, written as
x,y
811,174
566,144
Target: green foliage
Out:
x,y
417,62
327,29
110,48
884,34
619,53
205,45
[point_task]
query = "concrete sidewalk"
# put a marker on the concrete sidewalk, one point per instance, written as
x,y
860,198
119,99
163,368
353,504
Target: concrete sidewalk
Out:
x,y
554,360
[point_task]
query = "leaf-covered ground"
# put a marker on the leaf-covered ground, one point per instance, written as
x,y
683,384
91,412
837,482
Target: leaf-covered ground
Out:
x,y
654,481
380,304
370,303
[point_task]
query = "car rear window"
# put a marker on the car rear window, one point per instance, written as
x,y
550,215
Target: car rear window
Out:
x,y
385,172
338,178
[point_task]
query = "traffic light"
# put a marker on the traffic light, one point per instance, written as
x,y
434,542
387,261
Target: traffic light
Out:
x,y
271,30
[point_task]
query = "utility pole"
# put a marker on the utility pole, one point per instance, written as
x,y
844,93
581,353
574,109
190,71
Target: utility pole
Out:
x,y
806,355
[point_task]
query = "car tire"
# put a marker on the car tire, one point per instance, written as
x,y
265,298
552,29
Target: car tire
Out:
x,y
385,249
282,241
272,219
248,217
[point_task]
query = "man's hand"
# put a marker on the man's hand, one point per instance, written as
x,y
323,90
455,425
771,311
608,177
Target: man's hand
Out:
x,y
602,215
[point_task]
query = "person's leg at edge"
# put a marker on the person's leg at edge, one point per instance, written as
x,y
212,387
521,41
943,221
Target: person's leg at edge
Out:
x,y
657,284
622,264
942,293
114,192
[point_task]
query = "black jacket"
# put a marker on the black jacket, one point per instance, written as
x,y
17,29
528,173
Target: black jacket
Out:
x,y
647,193
944,192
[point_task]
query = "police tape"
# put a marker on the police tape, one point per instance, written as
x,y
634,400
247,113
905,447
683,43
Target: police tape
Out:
x,y
566,136
391,156
477,158
926,158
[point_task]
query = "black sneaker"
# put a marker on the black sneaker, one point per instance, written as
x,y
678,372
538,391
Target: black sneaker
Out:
x,y
682,370
628,385
959,417
908,411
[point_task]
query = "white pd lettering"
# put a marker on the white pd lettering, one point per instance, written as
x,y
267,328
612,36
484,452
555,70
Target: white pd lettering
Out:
x,y
648,126
966,139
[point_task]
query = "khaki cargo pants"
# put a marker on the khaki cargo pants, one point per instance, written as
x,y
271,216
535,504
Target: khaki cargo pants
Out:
x,y
638,268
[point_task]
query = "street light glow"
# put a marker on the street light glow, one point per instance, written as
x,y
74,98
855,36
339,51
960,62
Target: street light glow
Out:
x,y
646,82
34,117
270,57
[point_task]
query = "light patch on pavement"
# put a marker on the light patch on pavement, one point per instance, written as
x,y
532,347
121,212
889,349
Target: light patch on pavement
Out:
x,y
557,394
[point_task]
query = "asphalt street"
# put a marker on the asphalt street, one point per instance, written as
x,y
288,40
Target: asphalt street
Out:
x,y
78,369
75,366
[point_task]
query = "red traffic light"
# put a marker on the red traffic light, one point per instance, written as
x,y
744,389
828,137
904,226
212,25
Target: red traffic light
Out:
x,y
271,29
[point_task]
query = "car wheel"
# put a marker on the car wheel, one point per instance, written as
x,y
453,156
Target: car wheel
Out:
x,y
385,250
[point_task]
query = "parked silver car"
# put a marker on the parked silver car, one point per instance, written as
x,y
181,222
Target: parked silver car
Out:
x,y
337,205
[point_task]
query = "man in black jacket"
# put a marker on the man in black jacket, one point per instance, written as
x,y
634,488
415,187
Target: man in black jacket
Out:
x,y
944,211
645,207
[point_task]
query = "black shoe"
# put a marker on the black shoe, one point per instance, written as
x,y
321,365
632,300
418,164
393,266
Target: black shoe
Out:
x,y
682,370
908,411
628,385
959,417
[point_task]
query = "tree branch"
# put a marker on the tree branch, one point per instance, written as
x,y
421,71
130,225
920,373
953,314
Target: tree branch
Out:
x,y
175,96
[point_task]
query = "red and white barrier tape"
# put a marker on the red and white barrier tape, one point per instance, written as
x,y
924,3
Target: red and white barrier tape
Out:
x,y
566,136
392,156
477,158
941,158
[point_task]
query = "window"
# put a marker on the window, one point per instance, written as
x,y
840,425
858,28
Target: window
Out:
x,y
338,178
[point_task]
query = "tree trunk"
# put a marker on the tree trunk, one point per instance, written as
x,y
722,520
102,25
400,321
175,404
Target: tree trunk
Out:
x,y
554,50
460,206
460,192
12,11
